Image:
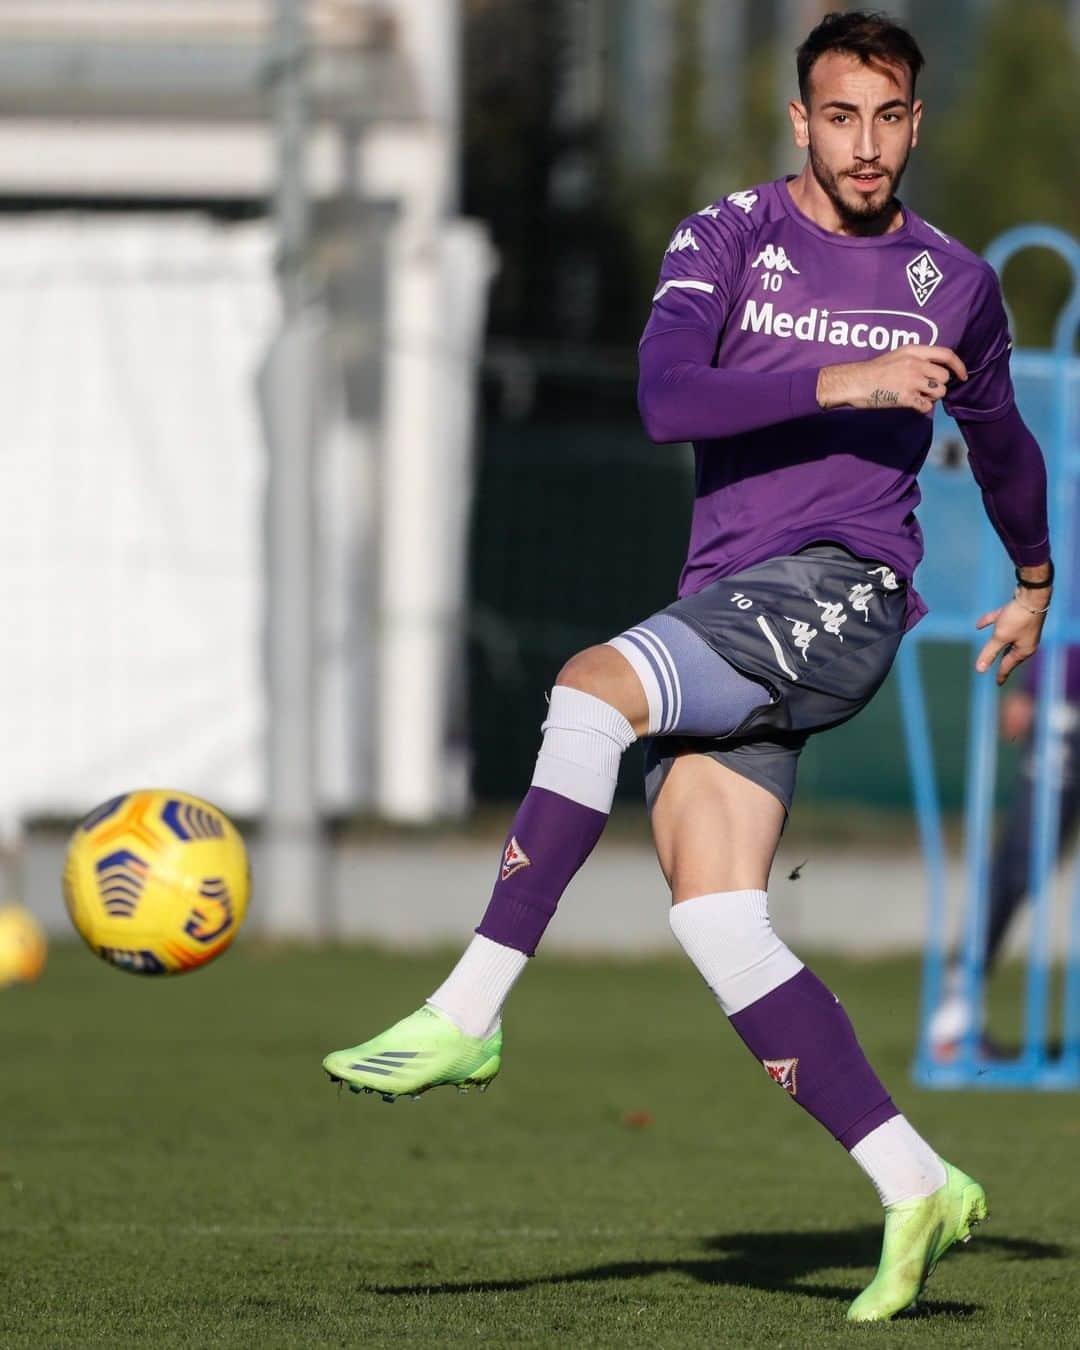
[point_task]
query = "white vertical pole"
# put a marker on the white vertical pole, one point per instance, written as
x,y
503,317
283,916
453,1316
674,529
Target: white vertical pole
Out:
x,y
423,453
288,389
412,702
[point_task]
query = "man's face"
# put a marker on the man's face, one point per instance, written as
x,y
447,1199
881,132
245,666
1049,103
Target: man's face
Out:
x,y
859,126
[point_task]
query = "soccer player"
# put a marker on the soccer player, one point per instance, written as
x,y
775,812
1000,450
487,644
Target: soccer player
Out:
x,y
802,333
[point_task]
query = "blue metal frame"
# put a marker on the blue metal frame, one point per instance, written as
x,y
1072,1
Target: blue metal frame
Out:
x,y
1058,371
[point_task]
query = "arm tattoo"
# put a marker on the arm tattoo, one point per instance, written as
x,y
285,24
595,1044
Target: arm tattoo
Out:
x,y
880,398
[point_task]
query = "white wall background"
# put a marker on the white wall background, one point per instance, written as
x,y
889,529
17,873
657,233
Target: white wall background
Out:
x,y
131,475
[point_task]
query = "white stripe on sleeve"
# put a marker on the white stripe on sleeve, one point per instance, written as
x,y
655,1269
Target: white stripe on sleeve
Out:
x,y
705,286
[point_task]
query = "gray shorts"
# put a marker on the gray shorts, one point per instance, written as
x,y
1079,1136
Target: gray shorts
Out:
x,y
819,629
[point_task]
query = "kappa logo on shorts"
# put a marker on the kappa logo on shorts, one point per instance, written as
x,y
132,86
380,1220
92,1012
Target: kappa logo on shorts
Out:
x,y
801,634
514,859
782,1071
859,599
832,616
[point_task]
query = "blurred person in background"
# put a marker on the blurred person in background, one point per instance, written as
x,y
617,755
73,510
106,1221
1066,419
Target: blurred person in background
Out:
x,y
1010,869
801,334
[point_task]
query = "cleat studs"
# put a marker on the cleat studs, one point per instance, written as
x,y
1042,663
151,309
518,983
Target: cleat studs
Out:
x,y
482,1087
353,1088
415,1097
389,1097
462,1089
333,1077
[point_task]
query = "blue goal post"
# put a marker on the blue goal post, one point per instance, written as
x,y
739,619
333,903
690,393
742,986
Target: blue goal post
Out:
x,y
966,573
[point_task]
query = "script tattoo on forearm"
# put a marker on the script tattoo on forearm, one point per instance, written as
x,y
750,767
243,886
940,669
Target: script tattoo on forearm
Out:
x,y
881,398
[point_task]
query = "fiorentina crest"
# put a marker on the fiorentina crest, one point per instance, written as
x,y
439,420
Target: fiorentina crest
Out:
x,y
514,859
923,276
782,1071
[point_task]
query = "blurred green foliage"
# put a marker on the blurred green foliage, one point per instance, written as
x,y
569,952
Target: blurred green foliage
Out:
x,y
1007,153
652,197
999,150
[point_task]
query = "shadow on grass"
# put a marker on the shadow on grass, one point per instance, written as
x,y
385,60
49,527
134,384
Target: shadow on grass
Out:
x,y
775,1262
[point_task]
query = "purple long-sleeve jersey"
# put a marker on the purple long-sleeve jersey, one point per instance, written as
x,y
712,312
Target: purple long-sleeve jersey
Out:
x,y
753,300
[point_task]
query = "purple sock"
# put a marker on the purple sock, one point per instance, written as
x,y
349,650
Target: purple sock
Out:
x,y
807,1044
549,840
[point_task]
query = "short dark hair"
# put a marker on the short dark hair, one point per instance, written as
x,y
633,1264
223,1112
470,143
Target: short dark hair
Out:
x,y
867,34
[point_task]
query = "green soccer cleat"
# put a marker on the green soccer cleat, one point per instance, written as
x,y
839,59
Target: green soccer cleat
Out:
x,y
918,1233
424,1050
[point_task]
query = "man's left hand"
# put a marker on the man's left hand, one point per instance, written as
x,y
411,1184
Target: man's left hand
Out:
x,y
1015,637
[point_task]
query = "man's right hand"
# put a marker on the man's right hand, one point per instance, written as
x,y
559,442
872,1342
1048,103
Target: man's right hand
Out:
x,y
912,376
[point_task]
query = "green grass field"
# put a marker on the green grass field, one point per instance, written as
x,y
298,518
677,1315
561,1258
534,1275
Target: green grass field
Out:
x,y
176,1171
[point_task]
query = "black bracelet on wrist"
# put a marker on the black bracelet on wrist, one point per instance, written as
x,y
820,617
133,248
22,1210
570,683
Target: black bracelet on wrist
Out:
x,y
1036,585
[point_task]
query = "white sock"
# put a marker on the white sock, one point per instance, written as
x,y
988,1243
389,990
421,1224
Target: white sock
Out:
x,y
583,745
584,740
729,938
473,993
899,1162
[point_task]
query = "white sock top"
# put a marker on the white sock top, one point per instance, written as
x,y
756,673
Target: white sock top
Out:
x,y
473,994
729,937
583,745
899,1162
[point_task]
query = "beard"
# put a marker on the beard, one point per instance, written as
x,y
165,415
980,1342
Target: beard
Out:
x,y
862,214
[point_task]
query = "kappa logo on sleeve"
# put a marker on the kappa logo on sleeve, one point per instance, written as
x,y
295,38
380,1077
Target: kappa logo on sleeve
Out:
x,y
745,201
683,239
924,277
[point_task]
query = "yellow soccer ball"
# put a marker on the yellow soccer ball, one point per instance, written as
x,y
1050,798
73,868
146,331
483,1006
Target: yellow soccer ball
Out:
x,y
22,946
156,881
